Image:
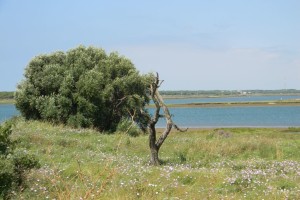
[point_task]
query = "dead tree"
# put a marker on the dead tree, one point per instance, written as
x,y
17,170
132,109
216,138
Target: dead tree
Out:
x,y
154,143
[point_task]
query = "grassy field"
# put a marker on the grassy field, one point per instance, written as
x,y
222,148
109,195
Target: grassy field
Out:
x,y
238,163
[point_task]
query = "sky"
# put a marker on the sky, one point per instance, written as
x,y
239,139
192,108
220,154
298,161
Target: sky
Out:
x,y
192,44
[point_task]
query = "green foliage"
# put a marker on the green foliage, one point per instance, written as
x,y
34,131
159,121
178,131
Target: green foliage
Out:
x,y
13,163
6,143
182,157
6,95
293,129
129,127
83,87
22,162
6,176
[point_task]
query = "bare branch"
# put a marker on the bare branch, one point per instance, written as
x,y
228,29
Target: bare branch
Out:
x,y
131,115
121,100
160,83
180,129
132,120
153,89
169,120
159,103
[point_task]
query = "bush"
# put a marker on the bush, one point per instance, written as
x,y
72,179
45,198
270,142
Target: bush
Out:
x,y
6,144
128,127
22,162
83,87
6,176
13,163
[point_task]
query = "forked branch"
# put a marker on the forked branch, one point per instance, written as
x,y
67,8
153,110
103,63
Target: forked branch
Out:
x,y
159,103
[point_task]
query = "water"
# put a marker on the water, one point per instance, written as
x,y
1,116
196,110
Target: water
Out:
x,y
269,116
230,99
287,116
7,111
274,116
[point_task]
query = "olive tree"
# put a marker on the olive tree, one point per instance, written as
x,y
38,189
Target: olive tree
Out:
x,y
83,87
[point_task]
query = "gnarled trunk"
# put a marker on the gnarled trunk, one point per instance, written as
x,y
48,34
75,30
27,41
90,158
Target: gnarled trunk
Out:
x,y
154,160
158,101
153,148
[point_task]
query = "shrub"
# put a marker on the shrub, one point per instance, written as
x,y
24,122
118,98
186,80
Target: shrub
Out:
x,y
83,87
6,176
22,162
6,144
129,127
13,163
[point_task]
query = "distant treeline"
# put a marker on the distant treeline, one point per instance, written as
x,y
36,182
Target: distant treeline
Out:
x,y
6,95
10,95
230,92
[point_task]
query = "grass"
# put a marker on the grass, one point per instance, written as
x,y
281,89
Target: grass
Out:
x,y
236,163
7,101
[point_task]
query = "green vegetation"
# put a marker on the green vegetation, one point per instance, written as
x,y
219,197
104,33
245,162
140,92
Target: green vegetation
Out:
x,y
83,87
6,97
14,163
237,163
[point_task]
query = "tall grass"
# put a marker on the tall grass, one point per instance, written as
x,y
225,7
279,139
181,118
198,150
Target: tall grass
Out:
x,y
237,163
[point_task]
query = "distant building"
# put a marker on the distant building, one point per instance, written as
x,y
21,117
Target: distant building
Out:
x,y
243,93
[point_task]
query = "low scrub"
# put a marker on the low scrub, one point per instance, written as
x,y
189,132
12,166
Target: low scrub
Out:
x,y
14,163
232,163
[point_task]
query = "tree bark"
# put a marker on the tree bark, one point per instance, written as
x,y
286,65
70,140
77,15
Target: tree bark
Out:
x,y
154,157
158,102
152,144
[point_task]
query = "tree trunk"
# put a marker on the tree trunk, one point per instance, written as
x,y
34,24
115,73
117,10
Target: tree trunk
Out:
x,y
152,144
154,156
159,103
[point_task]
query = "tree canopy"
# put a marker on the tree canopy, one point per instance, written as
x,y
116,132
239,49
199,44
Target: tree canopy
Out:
x,y
83,87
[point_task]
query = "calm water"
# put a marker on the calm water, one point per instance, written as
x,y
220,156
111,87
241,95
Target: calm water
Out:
x,y
235,116
230,99
270,116
281,116
7,111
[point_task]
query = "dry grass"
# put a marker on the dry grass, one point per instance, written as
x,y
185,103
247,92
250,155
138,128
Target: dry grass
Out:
x,y
233,163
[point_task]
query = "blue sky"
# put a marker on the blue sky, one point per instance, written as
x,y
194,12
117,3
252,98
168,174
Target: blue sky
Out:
x,y
193,45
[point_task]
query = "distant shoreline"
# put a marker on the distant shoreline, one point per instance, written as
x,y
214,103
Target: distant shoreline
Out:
x,y
235,104
222,96
7,101
213,104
